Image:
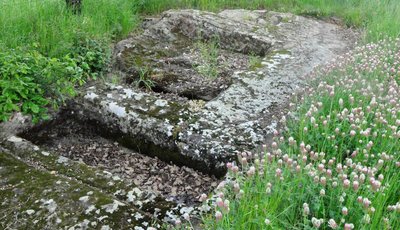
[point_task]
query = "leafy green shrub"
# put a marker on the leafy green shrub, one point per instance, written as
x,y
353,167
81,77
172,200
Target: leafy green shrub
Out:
x,y
21,94
91,55
30,81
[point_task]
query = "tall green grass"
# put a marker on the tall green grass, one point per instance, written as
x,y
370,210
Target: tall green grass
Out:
x,y
379,18
46,50
50,25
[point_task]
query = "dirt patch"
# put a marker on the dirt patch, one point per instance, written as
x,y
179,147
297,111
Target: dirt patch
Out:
x,y
81,142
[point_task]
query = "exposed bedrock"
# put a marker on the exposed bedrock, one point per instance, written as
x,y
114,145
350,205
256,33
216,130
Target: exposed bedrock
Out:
x,y
225,114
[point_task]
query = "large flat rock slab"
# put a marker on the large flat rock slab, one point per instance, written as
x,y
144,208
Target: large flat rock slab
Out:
x,y
205,131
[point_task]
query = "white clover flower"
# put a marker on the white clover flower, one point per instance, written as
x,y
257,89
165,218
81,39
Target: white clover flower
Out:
x,y
267,221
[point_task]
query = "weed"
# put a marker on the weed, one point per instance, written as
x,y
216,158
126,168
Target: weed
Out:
x,y
208,53
255,62
30,81
144,79
286,19
114,79
91,55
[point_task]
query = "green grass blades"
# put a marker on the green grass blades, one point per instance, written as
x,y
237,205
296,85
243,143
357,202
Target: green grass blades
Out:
x,y
49,24
47,50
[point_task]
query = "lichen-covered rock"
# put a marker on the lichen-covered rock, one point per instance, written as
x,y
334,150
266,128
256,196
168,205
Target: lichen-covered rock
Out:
x,y
239,116
147,122
56,191
81,141
172,51
32,198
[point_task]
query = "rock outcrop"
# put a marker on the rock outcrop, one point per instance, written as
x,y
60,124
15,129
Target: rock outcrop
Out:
x,y
204,121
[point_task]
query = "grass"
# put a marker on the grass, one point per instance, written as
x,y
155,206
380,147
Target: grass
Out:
x,y
53,28
255,62
46,50
144,79
208,53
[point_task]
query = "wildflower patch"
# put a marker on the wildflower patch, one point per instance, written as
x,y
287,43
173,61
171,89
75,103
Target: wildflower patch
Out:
x,y
335,164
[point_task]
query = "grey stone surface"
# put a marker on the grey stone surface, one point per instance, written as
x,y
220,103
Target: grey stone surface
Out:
x,y
43,190
34,198
205,134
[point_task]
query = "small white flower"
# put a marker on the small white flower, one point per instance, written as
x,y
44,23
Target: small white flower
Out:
x,y
267,221
316,222
332,224
366,218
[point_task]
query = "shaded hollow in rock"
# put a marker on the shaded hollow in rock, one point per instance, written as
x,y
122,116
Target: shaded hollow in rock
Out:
x,y
188,55
86,142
